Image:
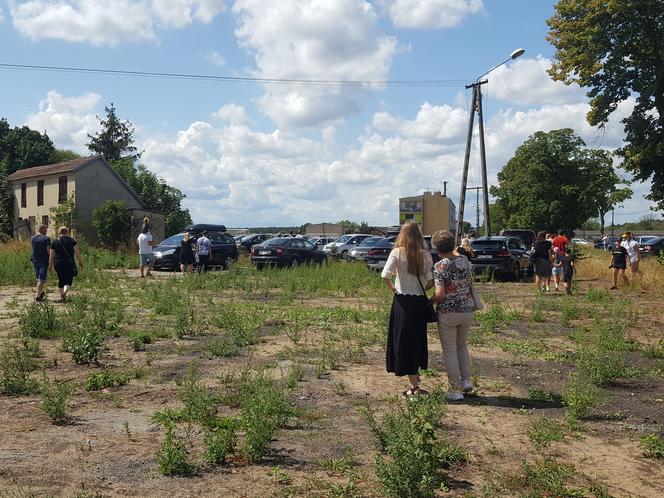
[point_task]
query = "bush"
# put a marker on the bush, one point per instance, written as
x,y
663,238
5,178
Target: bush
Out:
x,y
108,378
113,222
16,363
85,347
199,405
54,398
219,440
138,340
173,457
39,320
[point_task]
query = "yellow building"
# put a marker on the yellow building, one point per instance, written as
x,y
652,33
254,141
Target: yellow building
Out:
x,y
431,211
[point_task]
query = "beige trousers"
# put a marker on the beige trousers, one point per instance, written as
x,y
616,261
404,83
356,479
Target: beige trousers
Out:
x,y
453,329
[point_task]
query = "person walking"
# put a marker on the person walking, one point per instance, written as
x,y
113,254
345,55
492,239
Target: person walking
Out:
x,y
557,269
542,257
407,350
634,253
561,241
204,252
187,258
145,254
63,251
41,247
456,305
619,257
568,271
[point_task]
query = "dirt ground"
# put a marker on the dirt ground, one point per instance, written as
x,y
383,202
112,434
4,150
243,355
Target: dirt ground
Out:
x,y
108,444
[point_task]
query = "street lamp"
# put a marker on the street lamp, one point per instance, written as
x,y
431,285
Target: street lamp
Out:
x,y
477,107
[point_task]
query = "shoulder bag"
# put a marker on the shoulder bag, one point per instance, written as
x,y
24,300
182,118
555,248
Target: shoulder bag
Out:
x,y
479,305
74,268
430,309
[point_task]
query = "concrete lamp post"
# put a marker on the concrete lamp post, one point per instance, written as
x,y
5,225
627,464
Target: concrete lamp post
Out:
x,y
476,107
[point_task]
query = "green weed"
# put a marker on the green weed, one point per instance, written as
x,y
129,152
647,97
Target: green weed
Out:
x,y
199,404
16,363
54,398
138,340
652,446
539,395
173,457
39,320
84,345
598,296
109,378
580,395
570,311
341,465
543,431
220,440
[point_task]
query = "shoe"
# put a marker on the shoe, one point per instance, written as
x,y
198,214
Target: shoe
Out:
x,y
41,297
569,292
468,386
455,396
613,288
548,289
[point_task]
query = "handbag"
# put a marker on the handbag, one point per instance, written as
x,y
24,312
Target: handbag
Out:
x,y
74,268
430,309
479,305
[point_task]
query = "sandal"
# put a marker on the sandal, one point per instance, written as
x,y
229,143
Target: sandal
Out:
x,y
414,391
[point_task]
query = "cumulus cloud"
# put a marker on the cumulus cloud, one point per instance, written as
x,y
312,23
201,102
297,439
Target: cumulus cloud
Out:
x,y
313,39
231,113
102,22
526,82
67,120
215,58
432,14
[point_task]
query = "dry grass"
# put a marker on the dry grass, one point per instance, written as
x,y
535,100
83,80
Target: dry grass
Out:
x,y
595,266
13,245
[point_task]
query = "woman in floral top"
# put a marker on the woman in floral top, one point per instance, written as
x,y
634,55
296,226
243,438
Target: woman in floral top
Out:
x,y
456,307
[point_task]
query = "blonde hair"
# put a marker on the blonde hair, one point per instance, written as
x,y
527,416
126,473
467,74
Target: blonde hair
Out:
x,y
63,230
146,219
465,243
411,240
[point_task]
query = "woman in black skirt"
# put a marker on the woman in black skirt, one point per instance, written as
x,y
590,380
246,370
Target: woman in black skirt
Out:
x,y
187,253
63,251
407,349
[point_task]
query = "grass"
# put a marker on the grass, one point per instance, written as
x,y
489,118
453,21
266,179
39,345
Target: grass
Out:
x,y
39,320
652,446
17,360
109,378
54,396
543,431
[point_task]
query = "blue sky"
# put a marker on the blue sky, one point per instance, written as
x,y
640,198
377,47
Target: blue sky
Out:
x,y
248,154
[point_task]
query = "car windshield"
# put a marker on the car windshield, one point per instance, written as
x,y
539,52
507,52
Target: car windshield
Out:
x,y
343,240
484,245
383,243
174,240
371,241
247,237
276,242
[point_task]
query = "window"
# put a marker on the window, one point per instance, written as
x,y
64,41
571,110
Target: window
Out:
x,y
24,195
62,189
45,220
40,192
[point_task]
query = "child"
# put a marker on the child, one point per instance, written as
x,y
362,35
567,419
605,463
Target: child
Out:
x,y
568,269
619,264
557,266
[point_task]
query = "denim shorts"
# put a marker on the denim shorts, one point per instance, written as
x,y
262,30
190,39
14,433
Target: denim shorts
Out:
x,y
146,259
41,271
557,271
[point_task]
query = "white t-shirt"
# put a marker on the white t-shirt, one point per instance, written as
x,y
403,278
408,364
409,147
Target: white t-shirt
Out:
x,y
631,246
203,246
143,243
406,283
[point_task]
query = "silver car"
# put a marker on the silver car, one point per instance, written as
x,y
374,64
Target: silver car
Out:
x,y
359,252
345,243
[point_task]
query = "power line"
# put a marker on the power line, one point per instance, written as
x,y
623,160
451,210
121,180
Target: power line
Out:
x,y
238,79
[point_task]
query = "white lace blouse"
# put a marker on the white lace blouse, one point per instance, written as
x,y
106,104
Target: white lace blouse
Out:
x,y
405,282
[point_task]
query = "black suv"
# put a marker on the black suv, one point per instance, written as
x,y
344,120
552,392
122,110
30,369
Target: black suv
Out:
x,y
505,256
252,239
224,250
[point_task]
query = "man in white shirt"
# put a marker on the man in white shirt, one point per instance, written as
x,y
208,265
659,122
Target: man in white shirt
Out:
x,y
204,252
633,252
145,253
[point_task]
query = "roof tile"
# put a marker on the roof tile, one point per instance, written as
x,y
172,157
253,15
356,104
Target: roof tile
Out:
x,y
50,169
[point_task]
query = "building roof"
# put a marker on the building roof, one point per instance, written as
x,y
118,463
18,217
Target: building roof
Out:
x,y
50,169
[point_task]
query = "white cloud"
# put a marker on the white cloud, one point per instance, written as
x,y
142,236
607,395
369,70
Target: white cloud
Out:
x,y
102,22
215,58
231,113
67,120
526,82
431,14
301,39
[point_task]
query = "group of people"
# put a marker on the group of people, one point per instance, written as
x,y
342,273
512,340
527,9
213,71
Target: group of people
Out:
x,y
623,254
409,273
55,255
553,259
192,251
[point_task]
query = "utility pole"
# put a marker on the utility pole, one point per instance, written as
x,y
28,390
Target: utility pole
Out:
x,y
477,204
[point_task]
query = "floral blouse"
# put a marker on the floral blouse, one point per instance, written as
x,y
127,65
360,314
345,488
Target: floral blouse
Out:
x,y
454,275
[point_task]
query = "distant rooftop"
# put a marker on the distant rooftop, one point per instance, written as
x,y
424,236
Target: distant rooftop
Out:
x,y
50,169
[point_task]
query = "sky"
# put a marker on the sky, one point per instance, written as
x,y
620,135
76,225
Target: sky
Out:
x,y
259,154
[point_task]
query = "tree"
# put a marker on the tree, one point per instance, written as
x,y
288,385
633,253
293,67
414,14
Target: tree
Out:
x,y
6,204
116,138
113,222
550,183
498,218
616,49
64,155
64,214
22,147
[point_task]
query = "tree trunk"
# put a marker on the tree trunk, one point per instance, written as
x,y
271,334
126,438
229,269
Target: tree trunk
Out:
x,y
601,221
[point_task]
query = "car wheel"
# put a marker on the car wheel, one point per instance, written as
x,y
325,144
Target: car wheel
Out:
x,y
294,262
228,262
344,254
516,271
323,261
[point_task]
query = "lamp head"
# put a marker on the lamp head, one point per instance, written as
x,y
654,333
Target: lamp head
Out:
x,y
518,53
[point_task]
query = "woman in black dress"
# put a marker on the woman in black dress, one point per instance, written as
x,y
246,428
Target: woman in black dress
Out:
x,y
407,349
187,253
63,251
543,262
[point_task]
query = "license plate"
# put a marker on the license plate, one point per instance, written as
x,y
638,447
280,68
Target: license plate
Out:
x,y
264,253
485,256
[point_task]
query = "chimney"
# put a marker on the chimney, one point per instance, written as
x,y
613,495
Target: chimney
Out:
x,y
444,189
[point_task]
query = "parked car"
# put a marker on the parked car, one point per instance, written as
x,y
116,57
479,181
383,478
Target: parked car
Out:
x,y
345,243
377,255
434,254
599,244
320,242
359,252
653,246
224,250
581,242
528,237
645,239
286,251
252,239
504,256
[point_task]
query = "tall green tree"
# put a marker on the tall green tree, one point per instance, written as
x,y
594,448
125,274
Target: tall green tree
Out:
x,y
113,222
116,138
553,181
616,49
115,143
22,147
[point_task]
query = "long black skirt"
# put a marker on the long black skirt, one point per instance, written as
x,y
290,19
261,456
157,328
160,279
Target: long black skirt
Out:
x,y
407,350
